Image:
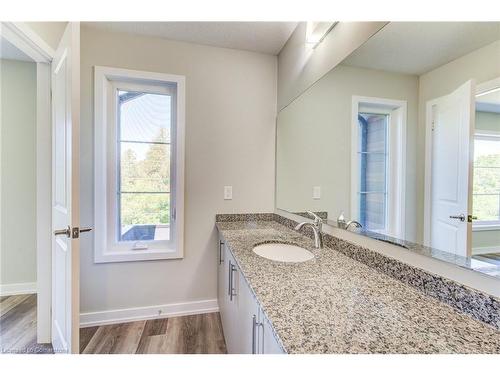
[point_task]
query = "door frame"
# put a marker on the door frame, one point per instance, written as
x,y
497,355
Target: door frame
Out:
x,y
30,43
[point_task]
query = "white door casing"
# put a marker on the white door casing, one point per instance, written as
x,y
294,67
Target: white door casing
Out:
x,y
65,191
448,171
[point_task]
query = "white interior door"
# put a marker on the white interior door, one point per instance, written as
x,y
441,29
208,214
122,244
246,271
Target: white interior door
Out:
x,y
449,171
65,192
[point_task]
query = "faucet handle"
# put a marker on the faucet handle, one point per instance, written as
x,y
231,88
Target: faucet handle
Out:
x,y
317,219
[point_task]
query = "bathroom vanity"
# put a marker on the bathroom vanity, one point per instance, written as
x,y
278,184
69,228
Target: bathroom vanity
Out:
x,y
334,303
247,330
401,138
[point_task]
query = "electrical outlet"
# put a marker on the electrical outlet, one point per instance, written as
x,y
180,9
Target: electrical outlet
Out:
x,y
316,192
228,192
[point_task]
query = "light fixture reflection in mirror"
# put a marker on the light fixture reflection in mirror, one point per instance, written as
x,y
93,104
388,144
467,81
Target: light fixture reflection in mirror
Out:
x,y
317,31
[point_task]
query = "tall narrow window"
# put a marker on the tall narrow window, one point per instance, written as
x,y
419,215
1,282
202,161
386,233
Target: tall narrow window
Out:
x,y
378,162
144,147
139,165
373,170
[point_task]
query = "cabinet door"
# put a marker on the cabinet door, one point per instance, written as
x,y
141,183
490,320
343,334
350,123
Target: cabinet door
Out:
x,y
230,325
269,344
247,328
243,334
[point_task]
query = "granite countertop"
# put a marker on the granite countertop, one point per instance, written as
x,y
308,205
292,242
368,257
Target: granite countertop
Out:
x,y
334,304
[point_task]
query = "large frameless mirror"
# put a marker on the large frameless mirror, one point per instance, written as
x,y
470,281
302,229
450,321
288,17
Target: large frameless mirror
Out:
x,y
403,137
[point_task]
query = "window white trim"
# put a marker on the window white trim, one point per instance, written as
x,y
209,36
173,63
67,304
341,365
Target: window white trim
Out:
x,y
480,226
486,134
396,159
104,123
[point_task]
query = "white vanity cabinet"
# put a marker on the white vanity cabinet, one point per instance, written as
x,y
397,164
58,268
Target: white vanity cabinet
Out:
x,y
246,330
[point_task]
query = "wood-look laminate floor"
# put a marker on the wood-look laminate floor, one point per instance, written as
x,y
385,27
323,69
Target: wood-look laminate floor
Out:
x,y
18,325
195,334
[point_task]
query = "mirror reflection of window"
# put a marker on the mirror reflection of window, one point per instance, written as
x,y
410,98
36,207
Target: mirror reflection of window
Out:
x,y
486,190
373,170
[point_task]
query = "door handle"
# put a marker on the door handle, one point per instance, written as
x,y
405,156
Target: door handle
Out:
x,y
76,231
71,233
460,217
66,232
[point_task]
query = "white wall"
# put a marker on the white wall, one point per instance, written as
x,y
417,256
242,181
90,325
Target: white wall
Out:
x,y
50,32
18,163
299,66
230,134
314,140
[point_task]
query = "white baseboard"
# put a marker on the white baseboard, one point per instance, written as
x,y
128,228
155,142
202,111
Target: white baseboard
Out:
x,y
148,312
485,250
15,289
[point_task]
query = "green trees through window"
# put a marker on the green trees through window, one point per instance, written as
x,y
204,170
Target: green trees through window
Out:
x,y
145,151
486,189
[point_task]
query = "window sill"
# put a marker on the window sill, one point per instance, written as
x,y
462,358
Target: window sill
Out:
x,y
136,256
485,227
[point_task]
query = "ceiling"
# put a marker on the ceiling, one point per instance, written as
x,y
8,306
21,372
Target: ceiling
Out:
x,y
10,52
264,37
418,47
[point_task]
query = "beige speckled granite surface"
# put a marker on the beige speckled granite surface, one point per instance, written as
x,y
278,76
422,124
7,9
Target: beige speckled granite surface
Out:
x,y
334,304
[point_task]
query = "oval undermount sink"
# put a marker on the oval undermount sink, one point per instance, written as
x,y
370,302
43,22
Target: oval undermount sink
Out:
x,y
281,252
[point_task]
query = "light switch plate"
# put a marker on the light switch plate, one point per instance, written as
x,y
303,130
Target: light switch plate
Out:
x,y
316,192
228,192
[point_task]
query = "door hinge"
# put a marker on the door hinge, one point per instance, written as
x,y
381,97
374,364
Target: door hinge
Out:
x,y
174,214
433,125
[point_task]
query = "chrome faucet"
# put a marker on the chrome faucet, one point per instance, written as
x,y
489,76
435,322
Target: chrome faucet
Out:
x,y
316,227
353,223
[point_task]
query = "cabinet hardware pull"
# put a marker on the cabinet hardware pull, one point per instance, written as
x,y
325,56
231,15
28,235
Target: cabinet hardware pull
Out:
x,y
231,275
220,252
230,287
255,326
254,323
